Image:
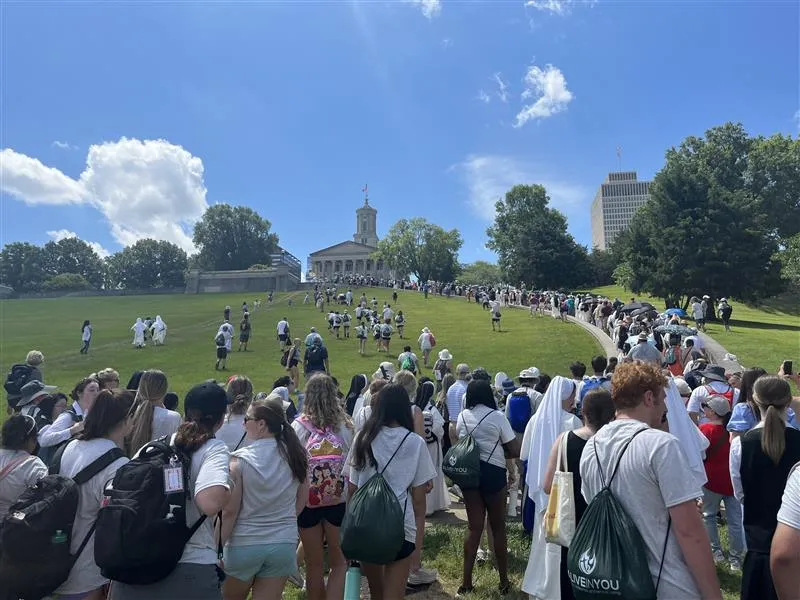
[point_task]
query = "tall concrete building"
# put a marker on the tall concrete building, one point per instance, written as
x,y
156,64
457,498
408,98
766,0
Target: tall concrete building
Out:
x,y
619,196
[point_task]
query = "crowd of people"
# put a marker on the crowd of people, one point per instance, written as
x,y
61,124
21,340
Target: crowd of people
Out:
x,y
260,486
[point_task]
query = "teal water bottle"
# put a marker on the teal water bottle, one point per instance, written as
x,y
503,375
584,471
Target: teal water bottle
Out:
x,y
59,537
352,582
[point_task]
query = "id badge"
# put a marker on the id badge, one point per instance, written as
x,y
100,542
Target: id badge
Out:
x,y
173,479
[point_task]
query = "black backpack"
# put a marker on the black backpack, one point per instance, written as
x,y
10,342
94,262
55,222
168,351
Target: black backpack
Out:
x,y
141,530
36,532
17,377
314,354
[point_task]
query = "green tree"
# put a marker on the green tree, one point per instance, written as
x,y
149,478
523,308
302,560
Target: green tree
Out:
x,y
73,255
480,273
703,231
66,282
532,242
148,264
22,267
773,177
602,264
789,257
233,238
417,247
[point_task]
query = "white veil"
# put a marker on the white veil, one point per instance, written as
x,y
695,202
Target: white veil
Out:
x,y
692,440
544,432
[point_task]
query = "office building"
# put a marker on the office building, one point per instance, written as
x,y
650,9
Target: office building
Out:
x,y
619,196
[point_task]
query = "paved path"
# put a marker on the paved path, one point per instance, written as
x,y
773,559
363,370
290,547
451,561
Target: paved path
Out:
x,y
601,336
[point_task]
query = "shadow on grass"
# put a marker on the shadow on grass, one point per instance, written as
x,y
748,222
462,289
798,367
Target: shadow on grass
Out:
x,y
785,303
761,325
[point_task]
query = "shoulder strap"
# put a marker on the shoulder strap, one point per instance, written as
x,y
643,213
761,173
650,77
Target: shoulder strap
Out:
x,y
55,462
240,442
619,460
98,465
720,440
395,452
479,422
663,553
561,456
13,465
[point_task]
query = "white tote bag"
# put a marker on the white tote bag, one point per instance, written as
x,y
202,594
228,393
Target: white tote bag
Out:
x,y
559,518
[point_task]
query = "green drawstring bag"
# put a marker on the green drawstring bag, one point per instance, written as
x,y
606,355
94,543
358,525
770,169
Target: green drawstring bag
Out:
x,y
607,556
462,463
373,529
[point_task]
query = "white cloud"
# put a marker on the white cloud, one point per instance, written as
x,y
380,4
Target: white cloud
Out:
x,y
502,87
549,89
62,234
484,97
489,177
149,188
430,8
558,7
63,145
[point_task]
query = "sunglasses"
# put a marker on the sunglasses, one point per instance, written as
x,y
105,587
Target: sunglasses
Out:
x,y
248,418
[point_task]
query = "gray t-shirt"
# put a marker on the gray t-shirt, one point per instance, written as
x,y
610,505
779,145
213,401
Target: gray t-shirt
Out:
x,y
653,476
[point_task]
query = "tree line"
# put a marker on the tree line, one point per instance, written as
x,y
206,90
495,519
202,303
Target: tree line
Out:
x,y
227,238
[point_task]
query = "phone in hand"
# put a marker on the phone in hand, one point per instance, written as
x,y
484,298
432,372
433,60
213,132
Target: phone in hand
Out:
x,y
787,367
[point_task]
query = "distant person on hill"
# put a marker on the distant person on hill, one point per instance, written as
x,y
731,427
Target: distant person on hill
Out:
x,y
227,313
138,330
725,310
244,331
223,343
159,331
86,336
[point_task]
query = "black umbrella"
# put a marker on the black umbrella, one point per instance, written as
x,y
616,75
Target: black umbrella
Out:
x,y
630,307
642,311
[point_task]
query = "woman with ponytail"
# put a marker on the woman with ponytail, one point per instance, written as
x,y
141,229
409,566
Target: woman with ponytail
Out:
x,y
760,461
151,421
208,493
240,395
260,521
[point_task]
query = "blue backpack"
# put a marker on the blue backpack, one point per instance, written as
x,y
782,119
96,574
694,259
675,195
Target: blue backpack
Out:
x,y
592,383
519,409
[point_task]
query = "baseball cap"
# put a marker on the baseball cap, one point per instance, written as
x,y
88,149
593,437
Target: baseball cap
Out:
x,y
719,404
530,373
208,398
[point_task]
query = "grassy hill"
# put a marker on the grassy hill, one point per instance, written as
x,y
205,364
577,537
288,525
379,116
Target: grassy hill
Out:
x,y
53,326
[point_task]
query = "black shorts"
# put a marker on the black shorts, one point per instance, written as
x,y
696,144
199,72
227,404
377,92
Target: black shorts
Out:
x,y
282,337
406,551
311,517
493,479
222,352
244,337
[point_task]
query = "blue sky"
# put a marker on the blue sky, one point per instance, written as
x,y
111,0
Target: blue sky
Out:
x,y
122,121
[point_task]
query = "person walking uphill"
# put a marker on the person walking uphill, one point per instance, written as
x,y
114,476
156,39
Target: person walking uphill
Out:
x,y
652,486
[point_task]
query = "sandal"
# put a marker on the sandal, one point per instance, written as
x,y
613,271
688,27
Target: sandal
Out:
x,y
464,591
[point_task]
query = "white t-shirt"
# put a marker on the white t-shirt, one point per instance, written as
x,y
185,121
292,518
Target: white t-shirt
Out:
x,y
165,422
25,470
282,327
361,416
411,467
210,467
697,311
789,513
85,574
490,435
653,477
232,431
424,341
701,394
269,491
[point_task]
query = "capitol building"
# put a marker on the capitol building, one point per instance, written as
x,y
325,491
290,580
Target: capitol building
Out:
x,y
351,258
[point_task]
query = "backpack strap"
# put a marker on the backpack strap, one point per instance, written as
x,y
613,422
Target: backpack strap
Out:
x,y
13,465
479,422
240,442
97,465
619,460
395,452
664,552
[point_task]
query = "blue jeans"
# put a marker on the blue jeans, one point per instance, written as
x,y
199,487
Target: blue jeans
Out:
x,y
733,515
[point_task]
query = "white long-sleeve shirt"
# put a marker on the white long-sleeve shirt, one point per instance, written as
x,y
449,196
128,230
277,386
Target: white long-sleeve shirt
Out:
x,y
59,431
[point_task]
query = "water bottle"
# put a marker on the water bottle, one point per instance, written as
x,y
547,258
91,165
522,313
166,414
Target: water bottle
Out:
x,y
59,538
352,582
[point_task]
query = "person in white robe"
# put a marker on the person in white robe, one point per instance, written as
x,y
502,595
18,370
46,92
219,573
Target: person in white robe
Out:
x,y
159,331
438,498
138,330
692,440
543,576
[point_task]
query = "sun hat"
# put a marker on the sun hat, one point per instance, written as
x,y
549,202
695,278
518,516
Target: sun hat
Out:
x,y
385,371
207,398
683,387
642,337
530,373
719,404
425,330
33,390
715,373
445,355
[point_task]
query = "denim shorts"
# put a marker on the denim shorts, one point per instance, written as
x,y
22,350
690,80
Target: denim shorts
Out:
x,y
263,560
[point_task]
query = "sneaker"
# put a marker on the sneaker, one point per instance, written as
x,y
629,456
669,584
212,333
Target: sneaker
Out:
x,y
719,556
482,555
736,564
464,592
423,576
297,579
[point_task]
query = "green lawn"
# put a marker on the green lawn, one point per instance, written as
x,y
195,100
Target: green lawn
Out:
x,y
762,336
53,326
